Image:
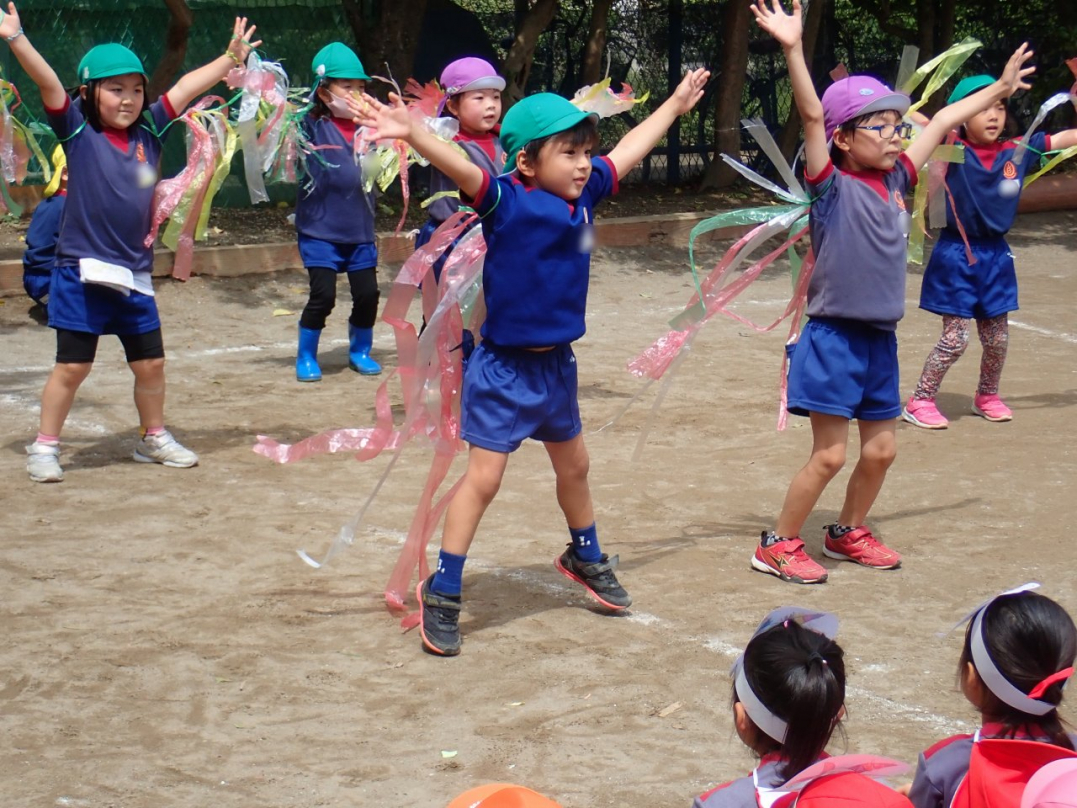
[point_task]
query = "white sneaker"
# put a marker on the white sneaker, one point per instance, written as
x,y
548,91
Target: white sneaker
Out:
x,y
166,450
43,463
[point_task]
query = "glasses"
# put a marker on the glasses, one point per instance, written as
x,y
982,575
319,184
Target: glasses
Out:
x,y
887,130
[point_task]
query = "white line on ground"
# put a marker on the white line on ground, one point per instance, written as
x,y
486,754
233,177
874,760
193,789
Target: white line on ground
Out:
x,y
1046,332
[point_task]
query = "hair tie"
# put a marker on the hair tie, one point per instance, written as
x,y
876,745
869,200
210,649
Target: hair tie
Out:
x,y
815,656
785,624
1041,688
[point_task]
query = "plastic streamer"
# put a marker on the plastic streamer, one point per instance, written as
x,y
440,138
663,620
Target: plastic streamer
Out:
x,y
262,83
430,374
940,69
17,143
716,292
604,102
1056,100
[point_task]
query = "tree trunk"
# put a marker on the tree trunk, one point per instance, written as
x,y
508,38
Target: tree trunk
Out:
x,y
736,20
517,65
389,38
175,50
813,23
925,28
946,22
596,42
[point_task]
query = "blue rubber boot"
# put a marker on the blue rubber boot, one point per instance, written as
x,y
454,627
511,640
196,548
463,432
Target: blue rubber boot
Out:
x,y
306,358
359,342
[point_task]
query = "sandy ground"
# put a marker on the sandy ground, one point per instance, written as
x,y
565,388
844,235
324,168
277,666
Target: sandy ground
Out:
x,y
164,646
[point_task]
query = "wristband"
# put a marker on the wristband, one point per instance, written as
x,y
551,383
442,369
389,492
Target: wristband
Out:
x,y
14,36
234,58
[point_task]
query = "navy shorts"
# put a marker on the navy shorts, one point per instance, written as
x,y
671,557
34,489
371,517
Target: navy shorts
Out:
x,y
845,368
316,252
511,394
36,283
96,309
977,291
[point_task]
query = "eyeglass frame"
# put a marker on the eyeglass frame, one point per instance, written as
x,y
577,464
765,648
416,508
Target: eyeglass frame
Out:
x,y
903,129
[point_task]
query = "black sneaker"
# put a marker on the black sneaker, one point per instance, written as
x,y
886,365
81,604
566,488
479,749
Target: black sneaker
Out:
x,y
439,620
597,578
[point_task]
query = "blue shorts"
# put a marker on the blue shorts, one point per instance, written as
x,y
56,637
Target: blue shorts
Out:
x,y
36,283
316,252
978,291
845,368
96,309
511,394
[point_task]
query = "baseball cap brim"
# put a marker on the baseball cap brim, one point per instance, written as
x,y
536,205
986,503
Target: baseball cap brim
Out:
x,y
893,101
561,124
484,83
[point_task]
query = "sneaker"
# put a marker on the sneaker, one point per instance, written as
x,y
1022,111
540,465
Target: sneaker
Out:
x,y
923,413
164,449
991,408
439,620
788,561
43,463
860,546
597,578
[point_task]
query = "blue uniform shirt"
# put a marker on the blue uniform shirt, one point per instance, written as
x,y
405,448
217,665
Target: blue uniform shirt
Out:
x,y
974,184
860,232
538,258
331,204
109,189
485,152
41,238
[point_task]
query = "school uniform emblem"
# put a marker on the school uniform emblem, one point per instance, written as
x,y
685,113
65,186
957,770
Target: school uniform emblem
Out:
x,y
145,174
1009,171
900,200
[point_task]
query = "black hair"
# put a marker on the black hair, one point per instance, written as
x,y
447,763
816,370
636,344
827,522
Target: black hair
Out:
x,y
1029,637
320,108
89,103
583,133
799,674
1009,131
849,129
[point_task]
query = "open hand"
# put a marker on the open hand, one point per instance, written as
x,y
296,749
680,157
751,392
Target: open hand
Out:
x,y
1013,75
786,28
242,42
10,25
390,121
690,90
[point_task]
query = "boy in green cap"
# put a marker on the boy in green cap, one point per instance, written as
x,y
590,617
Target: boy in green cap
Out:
x,y
521,381
101,282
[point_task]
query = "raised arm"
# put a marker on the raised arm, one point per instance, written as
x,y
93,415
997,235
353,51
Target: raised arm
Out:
x,y
953,115
39,71
1064,140
788,29
393,121
635,145
199,80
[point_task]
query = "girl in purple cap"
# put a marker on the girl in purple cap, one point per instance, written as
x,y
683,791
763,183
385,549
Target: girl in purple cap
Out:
x,y
971,274
473,96
844,366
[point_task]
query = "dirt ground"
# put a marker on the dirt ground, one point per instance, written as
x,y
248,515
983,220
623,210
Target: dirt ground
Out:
x,y
166,647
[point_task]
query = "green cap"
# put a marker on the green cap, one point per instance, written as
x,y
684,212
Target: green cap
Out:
x,y
337,61
112,59
969,85
537,116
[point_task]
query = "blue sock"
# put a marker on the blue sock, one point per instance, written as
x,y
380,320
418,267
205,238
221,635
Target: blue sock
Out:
x,y
449,574
585,544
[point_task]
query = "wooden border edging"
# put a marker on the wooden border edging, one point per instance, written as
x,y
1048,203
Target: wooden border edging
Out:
x,y
1058,192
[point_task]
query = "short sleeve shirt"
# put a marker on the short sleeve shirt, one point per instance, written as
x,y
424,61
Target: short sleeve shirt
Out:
x,y
485,152
859,232
331,204
103,178
538,258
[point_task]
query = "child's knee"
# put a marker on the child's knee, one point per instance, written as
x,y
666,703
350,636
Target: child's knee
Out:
x,y
484,482
72,373
879,454
149,368
955,343
828,462
995,339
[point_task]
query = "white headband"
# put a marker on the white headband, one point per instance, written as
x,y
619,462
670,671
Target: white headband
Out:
x,y
820,622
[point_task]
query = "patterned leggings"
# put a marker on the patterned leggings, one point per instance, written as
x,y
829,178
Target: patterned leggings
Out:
x,y
994,337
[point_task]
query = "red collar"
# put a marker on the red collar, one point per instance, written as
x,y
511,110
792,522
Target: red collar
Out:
x,y
117,137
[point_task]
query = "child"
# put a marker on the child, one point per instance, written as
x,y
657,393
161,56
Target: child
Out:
x,y
521,381
1018,654
472,96
845,364
112,137
44,232
985,190
334,217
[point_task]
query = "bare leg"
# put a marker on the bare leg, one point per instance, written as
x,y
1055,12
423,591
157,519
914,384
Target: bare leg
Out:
x,y
571,464
830,433
878,448
59,394
481,483
149,391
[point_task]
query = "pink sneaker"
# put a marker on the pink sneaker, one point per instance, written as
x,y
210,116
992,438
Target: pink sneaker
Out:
x,y
991,408
922,412
860,546
788,561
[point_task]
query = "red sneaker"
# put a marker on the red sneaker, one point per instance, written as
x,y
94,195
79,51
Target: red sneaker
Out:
x,y
788,561
860,546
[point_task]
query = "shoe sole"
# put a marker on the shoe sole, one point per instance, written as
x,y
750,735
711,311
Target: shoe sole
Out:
x,y
991,418
312,379
170,463
912,419
762,566
842,557
364,372
429,646
59,479
598,598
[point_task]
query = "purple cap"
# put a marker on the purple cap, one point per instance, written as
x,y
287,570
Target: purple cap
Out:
x,y
469,73
858,95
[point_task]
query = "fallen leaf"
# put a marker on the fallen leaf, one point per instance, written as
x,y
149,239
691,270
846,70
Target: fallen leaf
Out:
x,y
516,704
669,709
449,753
282,312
